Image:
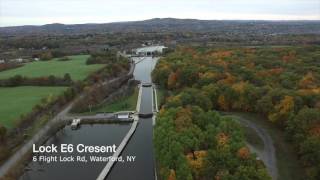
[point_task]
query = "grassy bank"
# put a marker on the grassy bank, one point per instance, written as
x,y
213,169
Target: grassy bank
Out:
x,y
160,96
76,67
16,101
126,103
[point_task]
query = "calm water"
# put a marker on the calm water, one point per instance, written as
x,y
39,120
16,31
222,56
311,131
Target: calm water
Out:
x,y
107,134
140,144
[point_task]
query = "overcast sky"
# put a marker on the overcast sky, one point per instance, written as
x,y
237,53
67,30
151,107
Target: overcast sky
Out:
x,y
38,12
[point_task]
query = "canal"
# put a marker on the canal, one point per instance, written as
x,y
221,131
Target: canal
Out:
x,y
140,144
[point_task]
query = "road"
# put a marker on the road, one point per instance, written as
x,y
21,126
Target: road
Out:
x,y
268,155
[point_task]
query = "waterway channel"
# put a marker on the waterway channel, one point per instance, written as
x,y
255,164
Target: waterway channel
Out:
x,y
139,146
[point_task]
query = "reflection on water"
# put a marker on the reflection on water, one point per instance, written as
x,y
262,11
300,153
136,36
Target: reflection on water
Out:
x,y
140,146
144,68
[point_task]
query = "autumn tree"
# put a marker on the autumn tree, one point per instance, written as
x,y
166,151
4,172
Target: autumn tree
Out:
x,y
283,110
172,80
223,104
308,81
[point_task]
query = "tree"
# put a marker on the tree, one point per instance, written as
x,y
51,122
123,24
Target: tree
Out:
x,y
172,80
183,119
67,77
283,110
265,105
183,171
172,175
308,81
243,153
305,123
46,56
310,152
223,104
196,161
212,91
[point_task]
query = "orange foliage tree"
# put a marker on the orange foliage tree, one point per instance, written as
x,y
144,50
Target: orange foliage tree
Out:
x,y
172,80
283,109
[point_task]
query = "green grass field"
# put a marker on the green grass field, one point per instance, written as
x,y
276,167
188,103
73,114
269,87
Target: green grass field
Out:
x,y
15,101
76,67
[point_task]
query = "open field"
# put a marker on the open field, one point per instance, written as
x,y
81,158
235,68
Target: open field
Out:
x,y
16,101
76,67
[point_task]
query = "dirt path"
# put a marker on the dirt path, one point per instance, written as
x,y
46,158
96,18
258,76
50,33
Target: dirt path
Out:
x,y
268,154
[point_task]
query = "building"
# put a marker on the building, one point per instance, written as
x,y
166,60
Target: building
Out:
x,y
2,61
124,116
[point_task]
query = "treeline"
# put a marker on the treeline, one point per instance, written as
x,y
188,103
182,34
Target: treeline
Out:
x,y
104,57
7,66
19,80
281,83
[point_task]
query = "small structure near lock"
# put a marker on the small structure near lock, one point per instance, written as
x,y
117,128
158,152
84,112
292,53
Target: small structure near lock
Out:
x,y
124,116
75,124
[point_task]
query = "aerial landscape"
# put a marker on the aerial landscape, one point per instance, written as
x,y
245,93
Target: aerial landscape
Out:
x,y
159,90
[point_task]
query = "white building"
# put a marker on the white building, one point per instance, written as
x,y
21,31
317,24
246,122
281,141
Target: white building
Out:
x,y
2,61
149,50
124,115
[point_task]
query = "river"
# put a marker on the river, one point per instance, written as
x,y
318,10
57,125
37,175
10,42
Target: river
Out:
x,y
140,144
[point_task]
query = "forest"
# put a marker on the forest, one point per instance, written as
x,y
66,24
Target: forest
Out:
x,y
281,83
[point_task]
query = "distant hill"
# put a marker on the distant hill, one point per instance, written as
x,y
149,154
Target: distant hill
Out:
x,y
172,25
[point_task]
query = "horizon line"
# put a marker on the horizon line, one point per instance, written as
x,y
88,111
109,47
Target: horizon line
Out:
x,y
126,21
